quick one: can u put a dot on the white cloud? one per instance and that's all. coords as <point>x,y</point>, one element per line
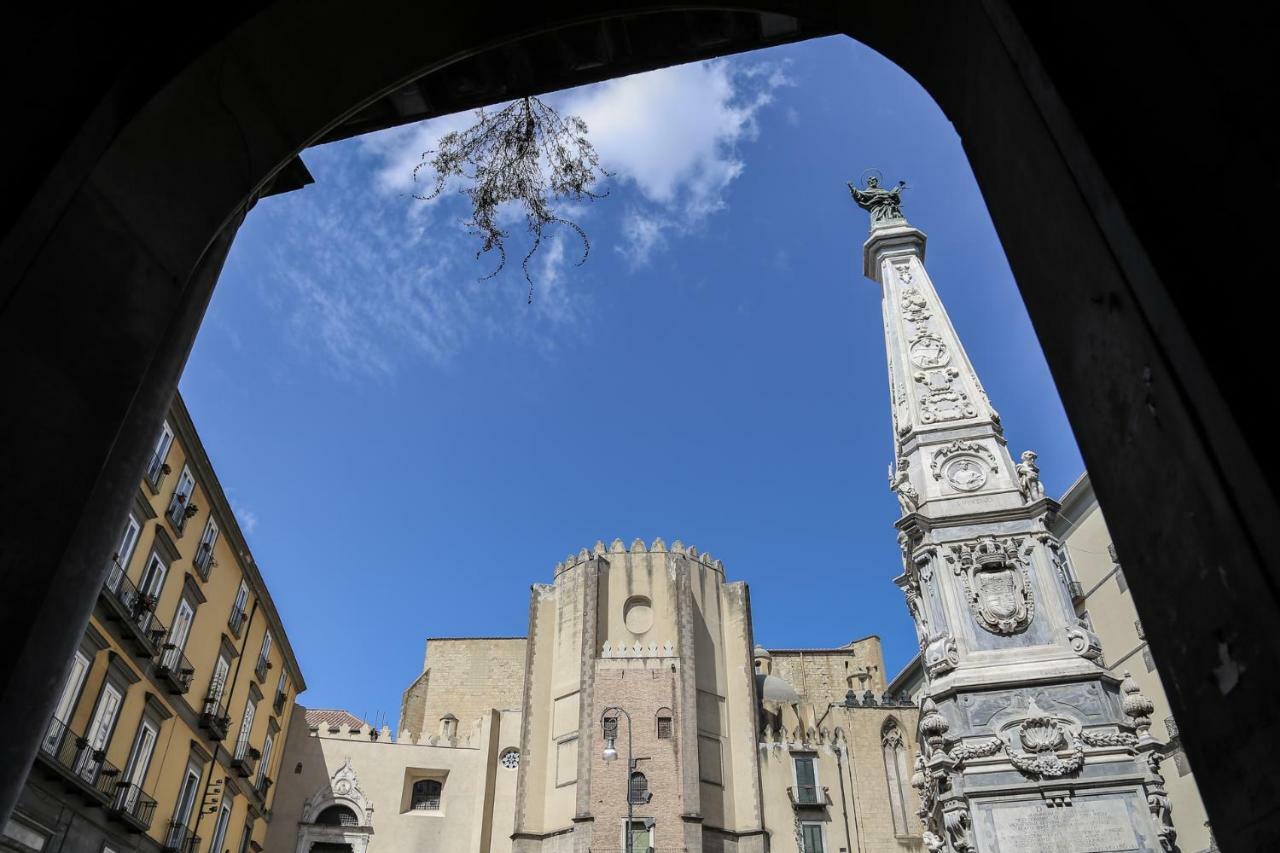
<point>676,132</point>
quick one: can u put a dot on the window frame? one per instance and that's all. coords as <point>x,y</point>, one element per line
<point>124,551</point>
<point>821,826</point>
<point>426,783</point>
<point>812,758</point>
<point>203,559</point>
<point>180,522</point>
<point>159,455</point>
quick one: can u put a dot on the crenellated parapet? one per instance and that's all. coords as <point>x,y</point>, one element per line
<point>638,546</point>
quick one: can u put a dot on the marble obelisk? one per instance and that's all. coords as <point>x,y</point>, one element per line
<point>1028,743</point>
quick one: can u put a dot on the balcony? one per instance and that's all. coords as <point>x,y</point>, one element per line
<point>133,807</point>
<point>1076,589</point>
<point>82,770</point>
<point>214,719</point>
<point>245,760</point>
<point>260,669</point>
<point>157,469</point>
<point>263,785</point>
<point>236,621</point>
<point>179,839</point>
<point>278,704</point>
<point>808,795</point>
<point>180,509</point>
<point>133,610</point>
<point>173,667</point>
<point>203,560</point>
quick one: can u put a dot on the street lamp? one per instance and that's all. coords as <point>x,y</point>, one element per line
<point>610,754</point>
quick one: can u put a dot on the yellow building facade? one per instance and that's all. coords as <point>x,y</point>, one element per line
<point>169,733</point>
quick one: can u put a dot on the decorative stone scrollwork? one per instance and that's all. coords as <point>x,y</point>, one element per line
<point>955,819</point>
<point>941,655</point>
<point>1084,642</point>
<point>914,306</point>
<point>941,401</point>
<point>902,411</point>
<point>1042,738</point>
<point>1096,738</point>
<point>933,726</point>
<point>997,584</point>
<point>933,843</point>
<point>975,748</point>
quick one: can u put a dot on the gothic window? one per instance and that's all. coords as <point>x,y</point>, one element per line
<point>337,815</point>
<point>664,724</point>
<point>639,789</point>
<point>510,758</point>
<point>426,795</point>
<point>896,773</point>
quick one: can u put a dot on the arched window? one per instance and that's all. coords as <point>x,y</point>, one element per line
<point>664,724</point>
<point>639,790</point>
<point>337,815</point>
<point>896,773</point>
<point>426,795</point>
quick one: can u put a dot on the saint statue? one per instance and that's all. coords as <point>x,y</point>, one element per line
<point>885,205</point>
<point>1029,477</point>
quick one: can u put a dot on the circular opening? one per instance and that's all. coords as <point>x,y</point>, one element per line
<point>637,614</point>
<point>510,758</point>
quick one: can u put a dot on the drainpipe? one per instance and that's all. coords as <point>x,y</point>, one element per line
<point>844,809</point>
<point>235,676</point>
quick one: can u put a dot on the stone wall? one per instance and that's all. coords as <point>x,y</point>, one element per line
<point>467,678</point>
<point>825,675</point>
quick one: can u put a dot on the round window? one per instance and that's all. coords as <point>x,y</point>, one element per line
<point>637,614</point>
<point>510,758</point>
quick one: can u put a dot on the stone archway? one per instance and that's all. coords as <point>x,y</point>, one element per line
<point>128,186</point>
<point>342,796</point>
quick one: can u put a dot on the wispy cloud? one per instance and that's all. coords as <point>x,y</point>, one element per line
<point>366,277</point>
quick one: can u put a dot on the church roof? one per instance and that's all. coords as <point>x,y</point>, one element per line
<point>332,718</point>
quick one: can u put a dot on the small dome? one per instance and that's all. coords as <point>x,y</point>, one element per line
<point>775,689</point>
<point>761,652</point>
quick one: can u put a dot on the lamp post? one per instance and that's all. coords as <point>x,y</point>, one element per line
<point>611,754</point>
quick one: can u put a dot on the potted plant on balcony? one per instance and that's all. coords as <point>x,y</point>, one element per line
<point>190,511</point>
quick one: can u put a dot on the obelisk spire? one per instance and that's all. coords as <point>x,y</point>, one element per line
<point>1018,709</point>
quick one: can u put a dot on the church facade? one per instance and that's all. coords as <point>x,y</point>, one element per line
<point>645,651</point>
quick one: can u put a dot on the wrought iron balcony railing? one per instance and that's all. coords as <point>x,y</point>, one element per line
<point>244,760</point>
<point>172,666</point>
<point>263,785</point>
<point>179,839</point>
<point>808,795</point>
<point>135,610</point>
<point>214,719</point>
<point>179,511</point>
<point>133,806</point>
<point>69,753</point>
<point>260,669</point>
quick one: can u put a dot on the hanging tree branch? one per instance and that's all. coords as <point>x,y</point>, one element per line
<point>526,153</point>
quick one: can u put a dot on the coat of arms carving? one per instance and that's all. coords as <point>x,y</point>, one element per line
<point>996,582</point>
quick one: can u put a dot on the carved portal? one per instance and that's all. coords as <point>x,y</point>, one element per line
<point>996,582</point>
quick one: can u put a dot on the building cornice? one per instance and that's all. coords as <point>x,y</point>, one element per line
<point>185,430</point>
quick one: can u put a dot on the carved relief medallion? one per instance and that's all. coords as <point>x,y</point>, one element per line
<point>997,584</point>
<point>914,306</point>
<point>928,350</point>
<point>965,473</point>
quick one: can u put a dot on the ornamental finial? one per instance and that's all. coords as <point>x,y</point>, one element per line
<point>885,205</point>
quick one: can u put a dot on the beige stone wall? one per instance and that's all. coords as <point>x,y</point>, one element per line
<point>477,800</point>
<point>825,675</point>
<point>467,678</point>
<point>1108,606</point>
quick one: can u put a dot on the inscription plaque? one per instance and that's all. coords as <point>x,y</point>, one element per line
<point>1087,826</point>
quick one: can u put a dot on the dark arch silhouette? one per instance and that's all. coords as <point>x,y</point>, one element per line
<point>141,145</point>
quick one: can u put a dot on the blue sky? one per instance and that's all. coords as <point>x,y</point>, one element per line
<point>408,448</point>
